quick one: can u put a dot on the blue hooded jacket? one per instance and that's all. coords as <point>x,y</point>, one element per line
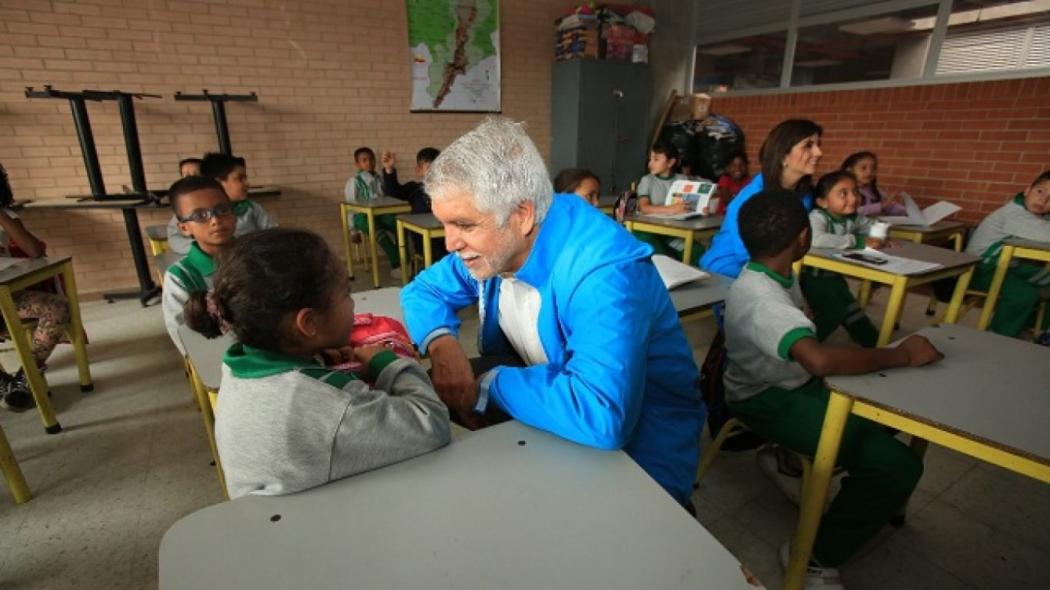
<point>727,254</point>
<point>620,371</point>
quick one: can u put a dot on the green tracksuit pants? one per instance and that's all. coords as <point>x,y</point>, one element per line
<point>882,471</point>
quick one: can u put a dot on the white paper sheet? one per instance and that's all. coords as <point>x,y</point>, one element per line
<point>674,273</point>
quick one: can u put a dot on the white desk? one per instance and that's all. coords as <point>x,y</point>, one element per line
<point>987,398</point>
<point>206,355</point>
<point>695,300</point>
<point>952,264</point>
<point>505,507</point>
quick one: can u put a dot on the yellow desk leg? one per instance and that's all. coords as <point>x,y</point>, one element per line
<point>16,482</point>
<point>76,327</point>
<point>208,417</point>
<point>428,250</point>
<point>893,309</point>
<point>346,240</point>
<point>401,241</point>
<point>865,293</point>
<point>957,237</point>
<point>796,268</point>
<point>25,354</point>
<point>687,251</point>
<point>961,285</point>
<point>997,285</point>
<point>816,493</point>
<point>375,246</point>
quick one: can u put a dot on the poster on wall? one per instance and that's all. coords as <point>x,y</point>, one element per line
<point>454,47</point>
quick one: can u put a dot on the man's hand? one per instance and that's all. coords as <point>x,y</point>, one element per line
<point>452,376</point>
<point>874,243</point>
<point>389,159</point>
<point>918,351</point>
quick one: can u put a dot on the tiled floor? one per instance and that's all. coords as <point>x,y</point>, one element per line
<point>133,460</point>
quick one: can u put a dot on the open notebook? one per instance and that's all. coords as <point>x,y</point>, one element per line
<point>921,217</point>
<point>675,273</point>
<point>699,194</point>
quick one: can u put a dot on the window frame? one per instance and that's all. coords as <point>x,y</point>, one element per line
<point>795,22</point>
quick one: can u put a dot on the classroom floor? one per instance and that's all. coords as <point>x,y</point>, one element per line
<point>133,459</point>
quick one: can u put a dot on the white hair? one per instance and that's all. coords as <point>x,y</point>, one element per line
<point>497,165</point>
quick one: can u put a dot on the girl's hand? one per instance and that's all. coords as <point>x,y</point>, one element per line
<point>890,201</point>
<point>875,243</point>
<point>337,356</point>
<point>364,354</point>
<point>389,159</point>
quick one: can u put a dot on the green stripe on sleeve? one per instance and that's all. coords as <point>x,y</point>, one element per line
<point>789,340</point>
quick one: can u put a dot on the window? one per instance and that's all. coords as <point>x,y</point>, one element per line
<point>985,36</point>
<point>858,44</point>
<point>742,64</point>
<point>866,49</point>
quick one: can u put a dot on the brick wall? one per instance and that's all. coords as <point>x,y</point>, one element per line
<point>974,144</point>
<point>331,75</point>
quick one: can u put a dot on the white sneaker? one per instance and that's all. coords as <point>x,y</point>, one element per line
<point>789,484</point>
<point>817,578</point>
<point>395,273</point>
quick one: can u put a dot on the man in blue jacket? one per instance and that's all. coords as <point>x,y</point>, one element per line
<point>569,292</point>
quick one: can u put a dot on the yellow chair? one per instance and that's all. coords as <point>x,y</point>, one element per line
<point>206,403</point>
<point>158,239</point>
<point>16,482</point>
<point>976,298</point>
<point>734,427</point>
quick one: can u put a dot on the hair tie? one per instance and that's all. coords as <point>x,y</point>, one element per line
<point>216,313</point>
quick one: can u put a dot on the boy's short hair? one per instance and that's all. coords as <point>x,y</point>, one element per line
<point>771,221</point>
<point>426,155</point>
<point>185,161</point>
<point>190,184</point>
<point>219,166</point>
<point>665,148</point>
<point>363,150</point>
<point>829,180</point>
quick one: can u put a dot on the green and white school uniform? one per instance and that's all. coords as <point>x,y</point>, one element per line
<point>829,296</point>
<point>777,398</point>
<point>1020,294</point>
<point>193,272</point>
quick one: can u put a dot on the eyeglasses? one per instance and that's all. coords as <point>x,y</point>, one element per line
<point>205,215</point>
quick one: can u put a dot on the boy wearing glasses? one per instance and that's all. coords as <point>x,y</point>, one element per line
<point>232,173</point>
<point>203,211</point>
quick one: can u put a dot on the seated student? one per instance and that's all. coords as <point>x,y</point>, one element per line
<point>1026,216</point>
<point>774,383</point>
<point>414,193</point>
<point>366,185</point>
<point>579,181</point>
<point>733,181</point>
<point>190,167</point>
<point>205,213</point>
<point>652,193</point>
<point>873,202</point>
<point>50,310</point>
<point>232,173</point>
<point>835,223</point>
<point>284,421</point>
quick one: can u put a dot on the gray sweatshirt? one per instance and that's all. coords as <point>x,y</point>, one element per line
<point>842,233</point>
<point>1011,220</point>
<point>283,425</point>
